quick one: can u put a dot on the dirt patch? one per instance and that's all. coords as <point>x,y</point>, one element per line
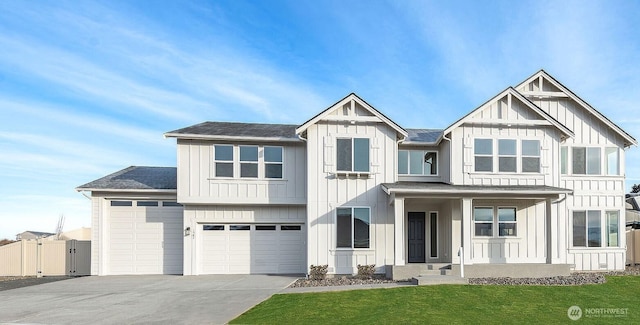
<point>14,282</point>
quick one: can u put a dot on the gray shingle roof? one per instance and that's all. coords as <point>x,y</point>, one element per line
<point>285,132</point>
<point>136,178</point>
<point>423,135</point>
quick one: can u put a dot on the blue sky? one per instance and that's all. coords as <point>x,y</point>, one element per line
<point>87,89</point>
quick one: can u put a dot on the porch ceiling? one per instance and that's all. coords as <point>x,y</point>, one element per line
<point>423,189</point>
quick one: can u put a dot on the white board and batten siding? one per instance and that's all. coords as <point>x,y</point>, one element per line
<point>329,190</point>
<point>590,192</point>
<point>197,183</point>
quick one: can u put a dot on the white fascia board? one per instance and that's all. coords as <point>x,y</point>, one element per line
<point>113,190</point>
<point>228,138</point>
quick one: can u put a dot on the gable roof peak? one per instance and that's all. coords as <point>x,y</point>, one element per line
<point>352,97</point>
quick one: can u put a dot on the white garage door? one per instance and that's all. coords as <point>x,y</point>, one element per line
<point>252,249</point>
<point>144,237</point>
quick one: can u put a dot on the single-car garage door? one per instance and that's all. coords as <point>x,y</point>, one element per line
<point>145,237</point>
<point>252,248</point>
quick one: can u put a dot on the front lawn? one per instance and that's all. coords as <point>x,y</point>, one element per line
<point>447,304</point>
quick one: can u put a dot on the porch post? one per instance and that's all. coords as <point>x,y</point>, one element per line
<point>466,229</point>
<point>399,230</point>
<point>551,241</point>
<point>456,230</point>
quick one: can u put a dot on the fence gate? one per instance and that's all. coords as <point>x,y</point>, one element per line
<point>78,258</point>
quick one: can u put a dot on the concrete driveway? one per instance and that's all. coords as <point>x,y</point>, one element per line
<point>166,299</point>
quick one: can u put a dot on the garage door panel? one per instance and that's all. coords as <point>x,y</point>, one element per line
<point>268,250</point>
<point>145,240</point>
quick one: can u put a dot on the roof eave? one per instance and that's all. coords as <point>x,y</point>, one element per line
<point>229,138</point>
<point>121,190</point>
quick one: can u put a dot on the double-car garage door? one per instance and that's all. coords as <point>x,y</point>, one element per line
<point>252,248</point>
<point>146,237</point>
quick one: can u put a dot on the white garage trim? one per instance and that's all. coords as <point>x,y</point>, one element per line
<point>256,248</point>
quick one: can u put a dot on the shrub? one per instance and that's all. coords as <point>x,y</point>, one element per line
<point>318,272</point>
<point>366,271</point>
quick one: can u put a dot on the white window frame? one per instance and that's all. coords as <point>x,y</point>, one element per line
<point>482,155</point>
<point>603,224</point>
<point>523,156</point>
<point>353,154</point>
<point>237,163</point>
<point>513,156</point>
<point>423,162</point>
<point>265,163</point>
<point>495,221</point>
<point>492,222</point>
<point>249,162</point>
<point>431,235</point>
<point>498,222</point>
<point>216,161</point>
<point>335,244</point>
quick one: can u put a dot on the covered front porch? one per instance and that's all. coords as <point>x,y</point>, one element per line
<point>476,231</point>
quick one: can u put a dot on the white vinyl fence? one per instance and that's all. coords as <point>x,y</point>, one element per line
<point>633,246</point>
<point>46,258</point>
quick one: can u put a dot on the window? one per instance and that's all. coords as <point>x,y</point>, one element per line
<point>147,203</point>
<point>612,228</point>
<point>483,219</point>
<point>290,227</point>
<point>483,151</point>
<point>506,222</point>
<point>249,161</point>
<point>265,227</point>
<point>273,162</point>
<point>223,160</point>
<point>240,227</point>
<point>352,226</point>
<point>417,162</point>
<point>586,161</point>
<point>587,230</point>
<point>171,204</point>
<point>564,160</point>
<point>507,159</point>
<point>121,203</point>
<point>530,156</point>
<point>433,234</point>
<point>353,154</point>
<point>212,227</point>
<point>611,161</point>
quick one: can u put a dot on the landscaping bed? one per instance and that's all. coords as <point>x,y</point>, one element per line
<point>573,279</point>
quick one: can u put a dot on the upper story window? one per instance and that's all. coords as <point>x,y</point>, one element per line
<point>417,162</point>
<point>513,156</point>
<point>273,162</point>
<point>353,154</point>
<point>483,151</point>
<point>223,160</point>
<point>589,161</point>
<point>248,161</point>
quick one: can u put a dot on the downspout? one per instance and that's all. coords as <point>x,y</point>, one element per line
<point>444,136</point>
<point>306,207</point>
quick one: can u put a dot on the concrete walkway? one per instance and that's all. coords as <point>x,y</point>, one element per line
<point>164,299</point>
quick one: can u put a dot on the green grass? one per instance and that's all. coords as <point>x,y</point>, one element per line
<point>451,304</point>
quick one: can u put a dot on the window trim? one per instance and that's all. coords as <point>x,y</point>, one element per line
<point>523,156</point>
<point>237,163</point>
<point>603,228</point>
<point>423,162</point>
<point>483,155</point>
<point>335,245</point>
<point>513,156</point>
<point>495,156</point>
<point>495,221</point>
<point>216,161</point>
<point>353,155</point>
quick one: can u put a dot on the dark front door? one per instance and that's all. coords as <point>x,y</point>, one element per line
<point>416,237</point>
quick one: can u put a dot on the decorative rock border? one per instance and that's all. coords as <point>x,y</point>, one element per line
<point>574,279</point>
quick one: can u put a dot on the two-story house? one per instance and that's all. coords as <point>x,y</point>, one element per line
<point>531,183</point>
